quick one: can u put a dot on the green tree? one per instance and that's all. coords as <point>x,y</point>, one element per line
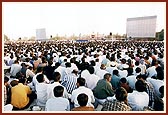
<point>160,35</point>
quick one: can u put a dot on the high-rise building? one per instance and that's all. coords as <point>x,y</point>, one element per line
<point>141,27</point>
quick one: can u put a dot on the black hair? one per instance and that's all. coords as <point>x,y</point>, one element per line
<point>58,91</point>
<point>161,90</point>
<point>137,63</point>
<point>121,94</point>
<point>68,64</point>
<point>6,79</point>
<point>115,72</point>
<point>82,99</point>
<point>40,78</point>
<point>160,73</point>
<point>57,64</point>
<point>81,81</point>
<point>140,86</point>
<point>130,71</point>
<point>56,76</point>
<point>92,62</point>
<point>22,80</point>
<point>39,69</point>
<point>91,69</point>
<point>123,80</point>
<point>138,69</point>
<point>123,61</point>
<point>107,75</point>
<point>143,76</point>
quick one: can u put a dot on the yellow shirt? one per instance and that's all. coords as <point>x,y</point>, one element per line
<point>19,96</point>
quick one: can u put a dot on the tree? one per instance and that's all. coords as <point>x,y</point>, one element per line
<point>160,35</point>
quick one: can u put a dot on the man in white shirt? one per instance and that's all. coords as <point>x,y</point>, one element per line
<point>30,73</point>
<point>123,73</point>
<point>101,71</point>
<point>57,103</point>
<point>82,89</point>
<point>35,82</point>
<point>123,64</point>
<point>132,78</point>
<point>63,57</point>
<point>61,70</point>
<point>138,99</point>
<point>156,85</point>
<point>41,90</point>
<point>68,69</point>
<point>151,71</point>
<point>50,93</point>
<point>91,78</point>
<point>73,65</point>
<point>15,68</point>
<point>70,80</point>
<point>111,67</point>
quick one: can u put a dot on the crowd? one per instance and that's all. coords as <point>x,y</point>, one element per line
<point>84,76</point>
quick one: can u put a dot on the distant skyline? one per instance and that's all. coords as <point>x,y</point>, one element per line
<point>21,19</point>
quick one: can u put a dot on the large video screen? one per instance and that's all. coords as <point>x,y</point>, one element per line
<point>141,27</point>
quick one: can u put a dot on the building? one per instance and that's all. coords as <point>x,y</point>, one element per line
<point>41,34</point>
<point>141,27</point>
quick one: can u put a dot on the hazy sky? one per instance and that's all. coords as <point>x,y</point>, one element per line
<point>22,19</point>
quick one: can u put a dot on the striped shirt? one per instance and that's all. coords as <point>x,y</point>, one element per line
<point>150,92</point>
<point>69,82</point>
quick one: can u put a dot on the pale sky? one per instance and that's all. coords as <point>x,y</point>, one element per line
<point>21,19</point>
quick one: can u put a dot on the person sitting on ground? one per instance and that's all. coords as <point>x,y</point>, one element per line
<point>160,73</point>
<point>124,83</point>
<point>41,90</point>
<point>50,93</point>
<point>115,79</point>
<point>12,84</point>
<point>101,71</point>
<point>138,99</point>
<point>159,101</point>
<point>57,103</point>
<point>103,88</point>
<point>132,78</point>
<point>82,89</point>
<point>20,95</point>
<point>34,80</point>
<point>91,78</point>
<point>118,104</point>
<point>69,81</point>
<point>29,74</point>
<point>150,89</point>
<point>15,68</point>
<point>82,100</point>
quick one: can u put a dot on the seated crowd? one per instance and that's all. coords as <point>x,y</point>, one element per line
<point>90,76</point>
